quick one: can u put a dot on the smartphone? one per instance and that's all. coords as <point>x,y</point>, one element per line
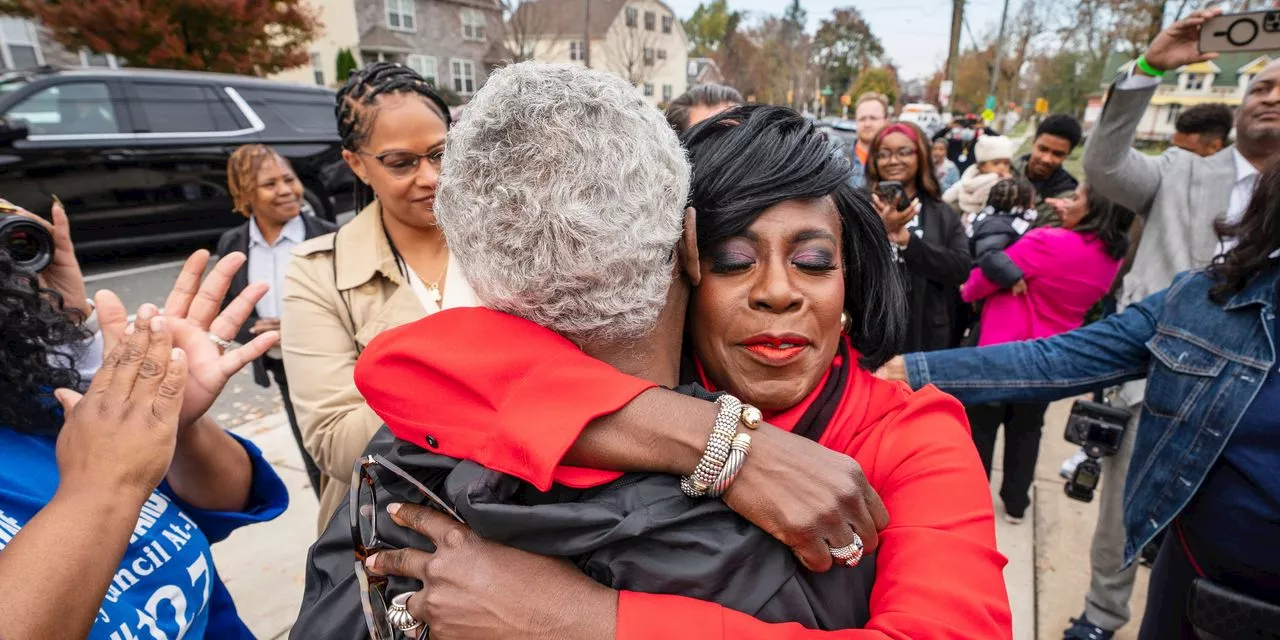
<point>891,191</point>
<point>1253,31</point>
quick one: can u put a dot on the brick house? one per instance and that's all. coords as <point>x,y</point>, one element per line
<point>452,43</point>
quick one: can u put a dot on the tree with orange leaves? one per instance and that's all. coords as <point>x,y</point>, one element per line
<point>252,37</point>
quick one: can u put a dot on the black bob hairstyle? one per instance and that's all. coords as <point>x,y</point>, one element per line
<point>748,159</point>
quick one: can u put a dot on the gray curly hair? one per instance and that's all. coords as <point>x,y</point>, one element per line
<point>562,196</point>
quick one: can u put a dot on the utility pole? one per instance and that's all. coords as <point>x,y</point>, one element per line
<point>995,64</point>
<point>957,13</point>
<point>586,32</point>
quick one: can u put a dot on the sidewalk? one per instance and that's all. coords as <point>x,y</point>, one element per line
<point>1047,575</point>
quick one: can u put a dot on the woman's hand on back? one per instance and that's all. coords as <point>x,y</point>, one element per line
<point>119,437</point>
<point>194,312</point>
<point>809,497</point>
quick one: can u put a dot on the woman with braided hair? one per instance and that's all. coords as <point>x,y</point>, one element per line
<point>388,266</point>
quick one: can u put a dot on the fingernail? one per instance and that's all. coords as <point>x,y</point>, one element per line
<point>393,508</point>
<point>371,561</point>
<point>175,353</point>
<point>128,331</point>
<point>56,200</point>
<point>157,323</point>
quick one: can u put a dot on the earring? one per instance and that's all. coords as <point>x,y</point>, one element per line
<point>845,321</point>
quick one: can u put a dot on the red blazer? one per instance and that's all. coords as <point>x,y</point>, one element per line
<point>513,396</point>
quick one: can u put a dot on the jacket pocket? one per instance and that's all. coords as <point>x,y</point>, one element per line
<point>1184,368</point>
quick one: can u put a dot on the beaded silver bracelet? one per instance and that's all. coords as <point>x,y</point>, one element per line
<point>705,474</point>
<point>737,457</point>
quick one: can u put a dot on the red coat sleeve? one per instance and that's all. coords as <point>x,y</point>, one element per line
<point>515,406</point>
<point>938,573</point>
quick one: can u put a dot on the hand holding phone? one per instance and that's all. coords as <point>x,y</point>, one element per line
<point>891,192</point>
<point>1253,31</point>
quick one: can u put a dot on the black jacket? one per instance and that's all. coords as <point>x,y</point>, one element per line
<point>993,232</point>
<point>1059,184</point>
<point>936,262</point>
<point>638,533</point>
<point>237,239</point>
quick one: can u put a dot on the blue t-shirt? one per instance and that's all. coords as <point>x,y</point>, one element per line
<point>1236,512</point>
<point>166,586</point>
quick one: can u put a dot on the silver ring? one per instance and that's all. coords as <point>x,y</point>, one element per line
<point>225,345</point>
<point>398,615</point>
<point>850,554</point>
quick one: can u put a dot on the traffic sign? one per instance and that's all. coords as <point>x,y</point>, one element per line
<point>988,116</point>
<point>1042,105</point>
<point>826,91</point>
<point>991,103</point>
<point>846,99</point>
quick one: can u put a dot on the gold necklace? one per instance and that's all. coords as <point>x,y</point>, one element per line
<point>434,287</point>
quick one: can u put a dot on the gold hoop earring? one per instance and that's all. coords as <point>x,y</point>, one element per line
<point>845,321</point>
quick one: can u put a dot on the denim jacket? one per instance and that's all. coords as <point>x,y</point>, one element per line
<point>1204,363</point>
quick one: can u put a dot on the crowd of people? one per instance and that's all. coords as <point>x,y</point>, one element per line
<point>581,369</point>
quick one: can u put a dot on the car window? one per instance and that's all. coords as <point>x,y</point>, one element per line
<point>304,111</point>
<point>184,108</point>
<point>76,108</point>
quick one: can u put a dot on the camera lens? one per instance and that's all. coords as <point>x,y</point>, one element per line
<point>27,243</point>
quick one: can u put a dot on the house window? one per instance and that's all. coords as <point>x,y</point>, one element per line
<point>101,60</point>
<point>424,66</point>
<point>317,68</point>
<point>633,15</point>
<point>577,50</point>
<point>666,24</point>
<point>464,77</point>
<point>648,56</point>
<point>666,92</point>
<point>650,20</point>
<point>400,15</point>
<point>648,89</point>
<point>1195,82</point>
<point>472,24</point>
<point>1175,110</point>
<point>19,48</point>
<point>662,54</point>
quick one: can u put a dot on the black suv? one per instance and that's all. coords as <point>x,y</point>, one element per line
<point>139,156</point>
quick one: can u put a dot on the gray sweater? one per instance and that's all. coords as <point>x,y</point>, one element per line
<point>1178,193</point>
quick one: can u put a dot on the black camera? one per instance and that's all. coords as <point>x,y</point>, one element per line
<point>1098,428</point>
<point>25,240</point>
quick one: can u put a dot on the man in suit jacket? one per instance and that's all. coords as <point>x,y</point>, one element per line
<point>1179,195</point>
<point>265,190</point>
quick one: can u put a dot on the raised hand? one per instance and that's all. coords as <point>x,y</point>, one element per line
<point>121,434</point>
<point>1179,44</point>
<point>194,311</point>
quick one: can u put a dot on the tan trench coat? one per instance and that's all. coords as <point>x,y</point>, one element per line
<point>342,290</point>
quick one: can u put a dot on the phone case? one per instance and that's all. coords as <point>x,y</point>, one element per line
<point>1254,31</point>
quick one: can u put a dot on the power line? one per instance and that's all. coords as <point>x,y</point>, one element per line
<point>972,40</point>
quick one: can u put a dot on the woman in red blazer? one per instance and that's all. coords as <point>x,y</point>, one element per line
<point>796,303</point>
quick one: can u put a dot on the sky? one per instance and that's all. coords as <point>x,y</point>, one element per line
<point>915,33</point>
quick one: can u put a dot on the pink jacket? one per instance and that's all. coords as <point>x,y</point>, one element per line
<point>1066,274</point>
